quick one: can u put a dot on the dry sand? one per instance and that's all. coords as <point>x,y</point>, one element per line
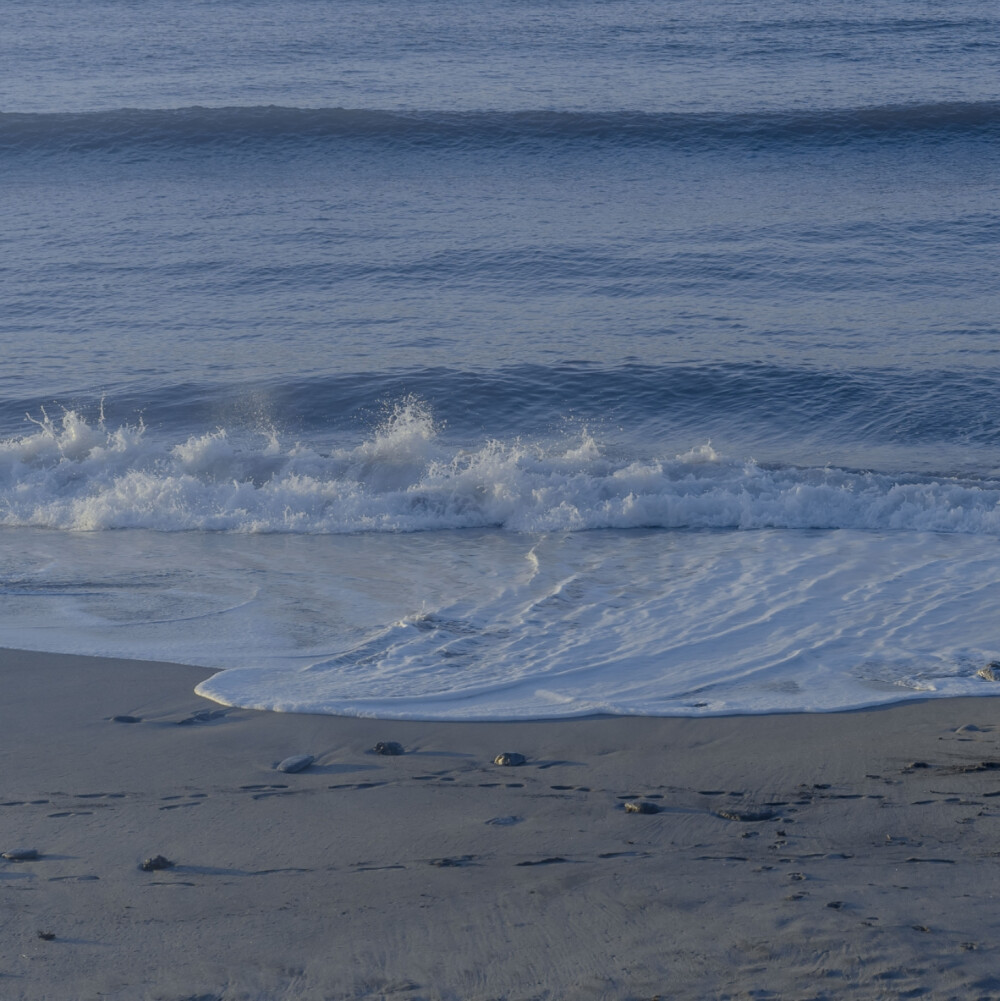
<point>437,874</point>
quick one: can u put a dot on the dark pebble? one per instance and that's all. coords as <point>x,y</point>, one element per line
<point>389,747</point>
<point>451,863</point>
<point>509,758</point>
<point>156,862</point>
<point>126,719</point>
<point>641,806</point>
<point>21,855</point>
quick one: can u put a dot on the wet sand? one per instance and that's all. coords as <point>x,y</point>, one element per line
<point>850,855</point>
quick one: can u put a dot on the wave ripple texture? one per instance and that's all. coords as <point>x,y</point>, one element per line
<point>477,361</point>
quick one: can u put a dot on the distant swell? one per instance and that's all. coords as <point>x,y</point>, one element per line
<point>867,407</point>
<point>185,128</point>
<point>404,477</point>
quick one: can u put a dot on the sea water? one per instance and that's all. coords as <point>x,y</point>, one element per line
<point>520,360</point>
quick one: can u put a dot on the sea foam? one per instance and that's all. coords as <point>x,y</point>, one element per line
<point>412,575</point>
<point>408,476</point>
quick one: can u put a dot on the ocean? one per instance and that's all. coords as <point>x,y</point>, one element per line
<point>523,360</point>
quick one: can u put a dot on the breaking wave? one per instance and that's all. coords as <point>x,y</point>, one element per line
<point>71,474</point>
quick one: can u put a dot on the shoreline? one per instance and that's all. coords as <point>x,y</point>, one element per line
<point>815,854</point>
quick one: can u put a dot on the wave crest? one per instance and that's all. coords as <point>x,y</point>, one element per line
<point>73,475</point>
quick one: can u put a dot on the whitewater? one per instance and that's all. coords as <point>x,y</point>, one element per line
<point>407,577</point>
<point>522,362</point>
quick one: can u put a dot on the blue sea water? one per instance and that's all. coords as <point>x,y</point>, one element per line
<point>519,360</point>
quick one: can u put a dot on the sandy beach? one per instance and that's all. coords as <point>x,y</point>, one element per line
<point>800,856</point>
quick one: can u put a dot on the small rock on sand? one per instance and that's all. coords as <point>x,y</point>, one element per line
<point>641,806</point>
<point>156,862</point>
<point>21,854</point>
<point>390,747</point>
<point>509,758</point>
<point>296,763</point>
<point>126,719</point>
